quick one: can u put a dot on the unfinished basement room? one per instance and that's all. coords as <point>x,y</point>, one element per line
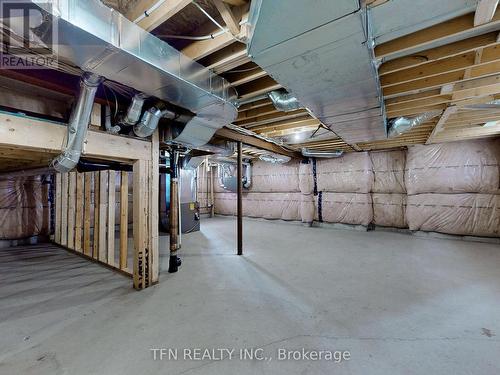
<point>250,187</point>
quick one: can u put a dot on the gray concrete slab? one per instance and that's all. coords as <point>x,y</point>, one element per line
<point>398,303</point>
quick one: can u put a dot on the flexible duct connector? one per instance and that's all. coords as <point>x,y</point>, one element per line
<point>275,158</point>
<point>107,122</point>
<point>247,179</point>
<point>78,124</point>
<point>150,120</point>
<point>400,125</point>
<point>134,110</point>
<point>321,154</point>
<point>284,101</point>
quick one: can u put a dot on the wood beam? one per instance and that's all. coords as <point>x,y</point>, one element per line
<point>453,77</point>
<point>485,11</point>
<point>456,29</point>
<point>461,62</point>
<point>158,16</point>
<point>439,53</point>
<point>273,117</point>
<point>203,48</point>
<point>231,21</point>
<point>249,140</point>
<point>30,133</point>
<point>258,87</point>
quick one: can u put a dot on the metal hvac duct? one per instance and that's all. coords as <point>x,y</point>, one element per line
<point>102,41</point>
<point>275,158</point>
<point>134,110</point>
<point>149,121</point>
<point>401,125</point>
<point>321,154</point>
<point>78,124</point>
<point>284,101</point>
<point>323,56</point>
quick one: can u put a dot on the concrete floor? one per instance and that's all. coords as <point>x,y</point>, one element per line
<point>399,304</point>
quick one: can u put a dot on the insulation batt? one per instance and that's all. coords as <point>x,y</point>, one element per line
<point>455,167</point>
<point>307,208</point>
<point>284,206</point>
<point>274,178</point>
<point>388,171</point>
<point>351,173</point>
<point>24,208</point>
<point>389,210</point>
<point>463,214</point>
<point>306,179</point>
<point>347,208</point>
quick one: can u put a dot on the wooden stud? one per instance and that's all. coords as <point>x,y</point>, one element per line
<point>154,207</point>
<point>64,209</point>
<point>124,220</point>
<point>57,229</point>
<point>95,237</point>
<point>111,217</point>
<point>79,211</point>
<point>103,203</point>
<point>140,226</point>
<point>87,250</point>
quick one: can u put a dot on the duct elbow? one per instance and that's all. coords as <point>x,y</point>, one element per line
<point>66,161</point>
<point>78,124</point>
<point>284,102</point>
<point>149,122</point>
<point>401,125</point>
<point>134,111</point>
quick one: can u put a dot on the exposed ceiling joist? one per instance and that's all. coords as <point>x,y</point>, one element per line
<point>255,142</point>
<point>155,17</point>
<point>232,22</point>
<point>439,53</point>
<point>203,48</point>
<point>444,33</point>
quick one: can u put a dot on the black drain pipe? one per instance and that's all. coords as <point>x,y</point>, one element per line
<point>239,199</point>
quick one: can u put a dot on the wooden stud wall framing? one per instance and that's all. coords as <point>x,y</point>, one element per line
<point>94,236</point>
<point>83,212</point>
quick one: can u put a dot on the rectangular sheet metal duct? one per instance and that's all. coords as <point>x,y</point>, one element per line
<point>321,54</point>
<point>100,40</point>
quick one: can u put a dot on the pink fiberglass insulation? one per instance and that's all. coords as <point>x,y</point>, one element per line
<point>389,210</point>
<point>455,167</point>
<point>284,206</point>
<point>274,178</point>
<point>463,214</point>
<point>345,208</point>
<point>388,171</point>
<point>351,173</point>
<point>24,208</point>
